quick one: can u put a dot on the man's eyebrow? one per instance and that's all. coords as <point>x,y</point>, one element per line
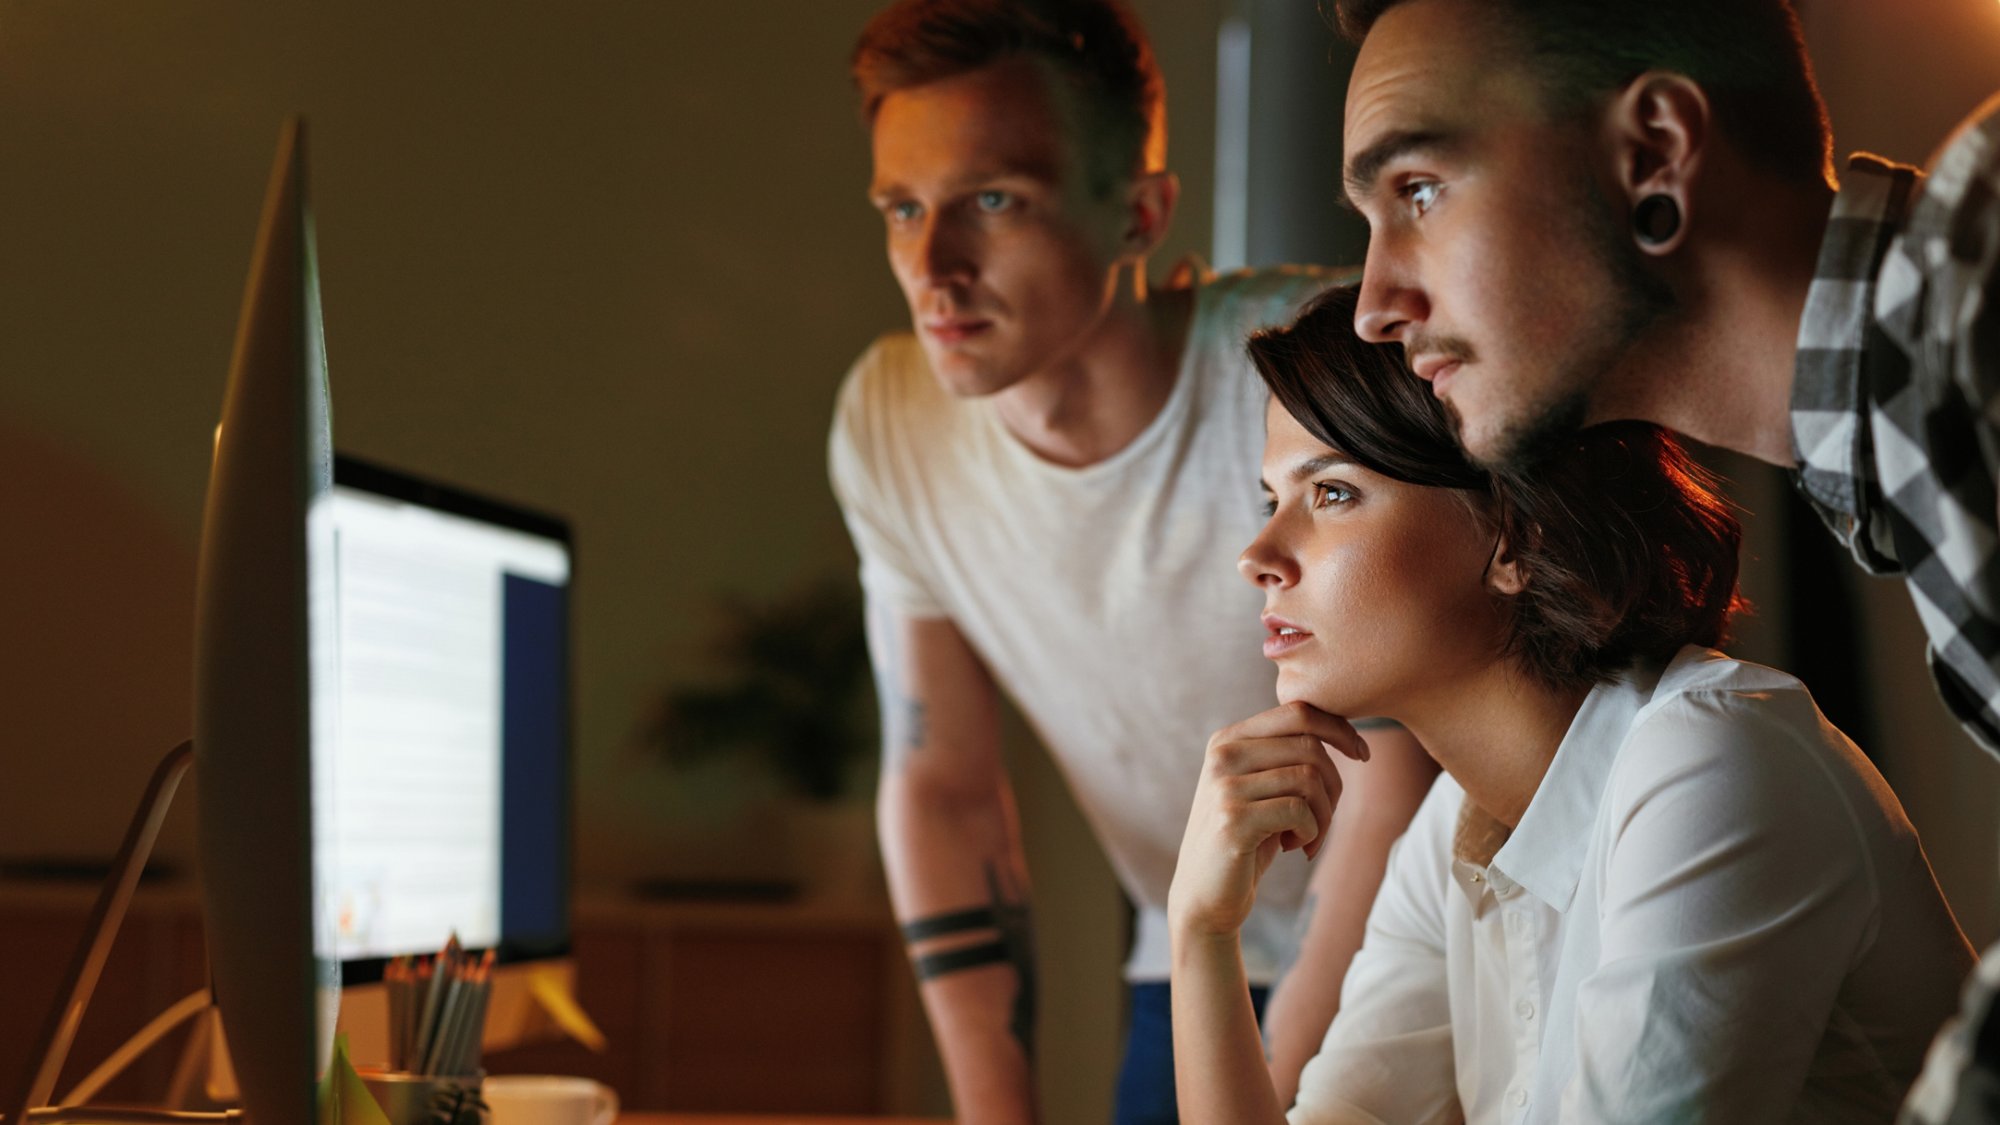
<point>1358,178</point>
<point>1035,171</point>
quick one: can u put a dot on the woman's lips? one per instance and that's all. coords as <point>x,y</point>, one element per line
<point>1281,637</point>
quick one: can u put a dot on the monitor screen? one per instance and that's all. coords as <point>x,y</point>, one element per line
<point>448,792</point>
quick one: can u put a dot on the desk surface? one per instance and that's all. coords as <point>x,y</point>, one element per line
<point>646,1117</point>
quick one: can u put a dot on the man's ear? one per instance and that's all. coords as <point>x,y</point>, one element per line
<point>1505,575</point>
<point>1149,209</point>
<point>1659,129</point>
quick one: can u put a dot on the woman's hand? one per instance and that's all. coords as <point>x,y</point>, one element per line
<point>1267,785</point>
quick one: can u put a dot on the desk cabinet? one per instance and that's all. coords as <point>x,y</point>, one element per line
<point>784,1008</point>
<point>793,1009</point>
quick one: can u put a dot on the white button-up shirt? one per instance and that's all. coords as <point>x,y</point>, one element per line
<point>1713,910</point>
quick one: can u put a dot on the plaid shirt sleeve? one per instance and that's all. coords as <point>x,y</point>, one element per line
<point>1896,398</point>
<point>1960,1084</point>
<point>1935,424</point>
<point>1896,424</point>
<point>1837,342</point>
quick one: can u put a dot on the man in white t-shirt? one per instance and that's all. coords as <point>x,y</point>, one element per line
<point>1048,484</point>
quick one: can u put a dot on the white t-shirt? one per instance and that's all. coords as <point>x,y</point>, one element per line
<point>1713,910</point>
<point>1105,600</point>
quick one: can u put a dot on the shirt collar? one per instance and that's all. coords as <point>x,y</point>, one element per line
<point>1828,380</point>
<point>1545,853</point>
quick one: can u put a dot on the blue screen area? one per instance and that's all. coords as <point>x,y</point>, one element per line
<point>534,722</point>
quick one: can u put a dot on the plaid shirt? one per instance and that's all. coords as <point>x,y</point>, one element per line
<point>1896,422</point>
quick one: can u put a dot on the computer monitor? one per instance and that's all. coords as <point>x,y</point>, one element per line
<point>449,789</point>
<point>269,678</point>
<point>264,714</point>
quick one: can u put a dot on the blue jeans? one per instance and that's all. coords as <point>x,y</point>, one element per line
<point>1146,1079</point>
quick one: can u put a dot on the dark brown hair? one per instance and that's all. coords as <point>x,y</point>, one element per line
<point>1748,55</point>
<point>1627,550</point>
<point>1096,46</point>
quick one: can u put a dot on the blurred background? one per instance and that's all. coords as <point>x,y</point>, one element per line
<point>612,260</point>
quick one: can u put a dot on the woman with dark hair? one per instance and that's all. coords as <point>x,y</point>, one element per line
<point>1653,883</point>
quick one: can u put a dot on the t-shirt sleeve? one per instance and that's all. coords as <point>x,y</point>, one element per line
<point>860,454</point>
<point>1388,1056</point>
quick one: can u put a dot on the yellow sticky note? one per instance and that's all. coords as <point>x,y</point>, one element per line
<point>551,990</point>
<point>343,1099</point>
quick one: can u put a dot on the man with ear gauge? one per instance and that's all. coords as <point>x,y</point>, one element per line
<point>1047,482</point>
<point>1590,210</point>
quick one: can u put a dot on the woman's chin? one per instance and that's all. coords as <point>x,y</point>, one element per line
<point>1297,686</point>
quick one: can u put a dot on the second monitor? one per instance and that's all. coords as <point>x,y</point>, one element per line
<point>447,803</point>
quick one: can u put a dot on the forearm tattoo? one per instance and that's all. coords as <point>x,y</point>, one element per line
<point>956,922</point>
<point>1013,943</point>
<point>909,722</point>
<point>903,725</point>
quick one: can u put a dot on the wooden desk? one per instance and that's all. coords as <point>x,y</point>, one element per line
<point>767,1119</point>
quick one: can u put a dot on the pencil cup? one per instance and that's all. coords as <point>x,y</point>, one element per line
<point>427,1099</point>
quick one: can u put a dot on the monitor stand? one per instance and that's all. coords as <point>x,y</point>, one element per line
<point>31,1102</point>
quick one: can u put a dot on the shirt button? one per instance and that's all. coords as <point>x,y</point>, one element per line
<point>1520,1097</point>
<point>1524,1009</point>
<point>1478,878</point>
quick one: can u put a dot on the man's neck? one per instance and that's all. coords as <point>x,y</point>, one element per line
<point>1097,399</point>
<point>1719,367</point>
<point>1495,731</point>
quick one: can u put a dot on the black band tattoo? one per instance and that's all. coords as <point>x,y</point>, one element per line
<point>1014,946</point>
<point>932,965</point>
<point>956,922</point>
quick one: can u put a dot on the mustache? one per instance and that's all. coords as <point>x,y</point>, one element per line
<point>1421,342</point>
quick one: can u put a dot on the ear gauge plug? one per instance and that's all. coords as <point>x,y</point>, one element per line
<point>1656,219</point>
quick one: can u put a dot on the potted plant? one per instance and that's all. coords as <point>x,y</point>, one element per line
<point>786,689</point>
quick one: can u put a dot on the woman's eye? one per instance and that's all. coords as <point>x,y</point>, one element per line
<point>1421,194</point>
<point>904,211</point>
<point>1326,493</point>
<point>1269,507</point>
<point>994,202</point>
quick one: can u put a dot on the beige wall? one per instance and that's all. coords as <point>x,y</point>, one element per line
<point>608,259</point>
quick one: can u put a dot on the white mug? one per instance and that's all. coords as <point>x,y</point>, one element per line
<point>548,1099</point>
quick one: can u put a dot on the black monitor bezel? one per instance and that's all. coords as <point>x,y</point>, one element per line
<point>363,475</point>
